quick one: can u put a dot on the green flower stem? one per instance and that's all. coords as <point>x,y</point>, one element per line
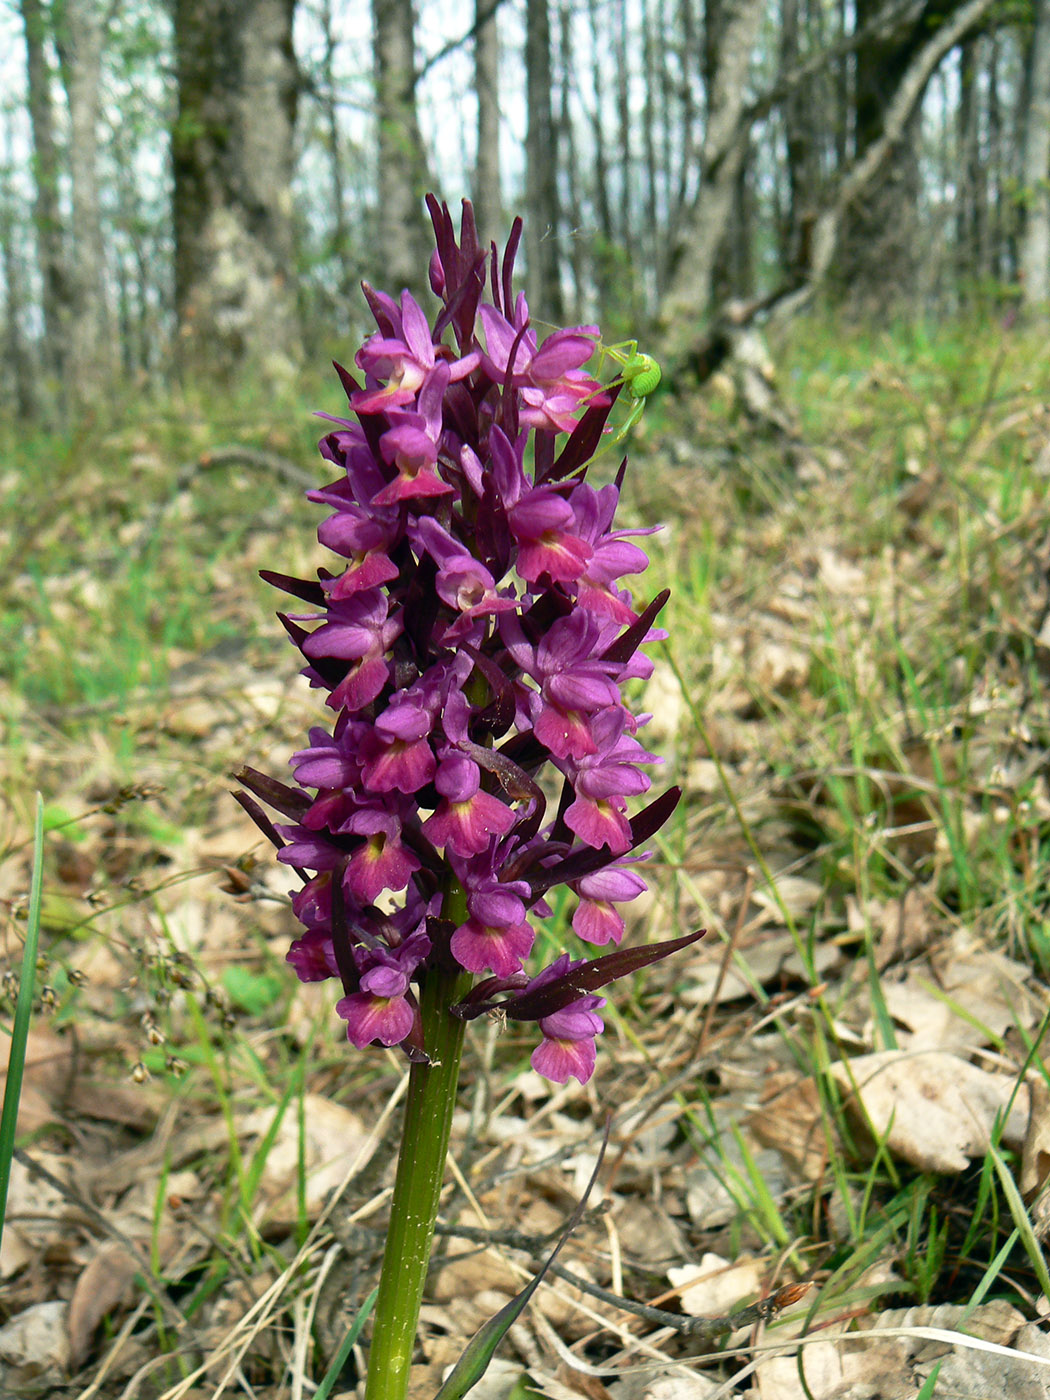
<point>420,1172</point>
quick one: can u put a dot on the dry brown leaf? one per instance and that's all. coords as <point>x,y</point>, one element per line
<point>132,1105</point>
<point>15,1251</point>
<point>838,1370</point>
<point>791,1121</point>
<point>48,1071</point>
<point>934,1109</point>
<point>39,1209</point>
<point>997,1321</point>
<point>717,1286</point>
<point>467,1276</point>
<point>779,667</point>
<point>966,1371</point>
<point>99,1289</point>
<point>663,1385</point>
<point>34,1344</point>
<point>647,1233</point>
<point>903,927</point>
<point>768,961</point>
<point>335,1139</point>
<point>590,1387</point>
<point>796,894</point>
<point>1035,1152</point>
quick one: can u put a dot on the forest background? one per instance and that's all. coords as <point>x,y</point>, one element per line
<point>203,185</point>
<point>831,223</point>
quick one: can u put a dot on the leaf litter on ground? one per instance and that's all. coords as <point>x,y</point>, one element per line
<point>812,1098</point>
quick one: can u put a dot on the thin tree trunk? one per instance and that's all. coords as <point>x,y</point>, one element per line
<point>235,286</point>
<point>402,161</point>
<point>623,125</point>
<point>996,257</point>
<point>567,141</point>
<point>488,196</point>
<point>1035,164</point>
<point>47,219</point>
<point>730,45</point>
<point>16,349</point>
<point>971,206</point>
<point>651,243</point>
<point>802,137</point>
<point>91,348</point>
<point>541,168</point>
<point>691,63</point>
<point>602,202</point>
<point>340,229</point>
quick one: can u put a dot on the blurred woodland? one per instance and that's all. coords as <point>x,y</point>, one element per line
<point>198,187</point>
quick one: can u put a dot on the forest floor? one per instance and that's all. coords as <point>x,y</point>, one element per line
<point>838,1102</point>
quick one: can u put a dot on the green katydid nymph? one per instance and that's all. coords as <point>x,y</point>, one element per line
<point>639,374</point>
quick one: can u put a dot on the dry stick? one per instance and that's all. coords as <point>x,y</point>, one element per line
<point>92,1213</point>
<point>119,1342</point>
<point>761,1311</point>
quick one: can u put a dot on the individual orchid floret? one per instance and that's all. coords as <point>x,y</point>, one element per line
<point>463,582</point>
<point>499,948</point>
<point>567,1049</point>
<point>612,554</point>
<point>597,920</point>
<point>313,956</point>
<point>403,357</point>
<point>552,385</point>
<point>544,525</point>
<point>382,862</point>
<point>381,1009</point>
<point>412,444</point>
<point>360,630</point>
<point>365,539</point>
<point>575,683</point>
<point>468,817</point>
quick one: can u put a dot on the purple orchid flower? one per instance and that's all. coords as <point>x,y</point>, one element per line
<point>475,631</point>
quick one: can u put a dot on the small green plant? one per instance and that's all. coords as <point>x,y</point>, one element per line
<point>19,1031</point>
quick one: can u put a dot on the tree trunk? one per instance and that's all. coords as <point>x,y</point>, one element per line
<point>339,236</point>
<point>877,255</point>
<point>899,111</point>
<point>402,161</point>
<point>602,202</point>
<point>971,193</point>
<point>235,289</point>
<point>541,169</point>
<point>488,197</point>
<point>567,136</point>
<point>618,21</point>
<point>802,136</point>
<point>91,348</point>
<point>16,350</point>
<point>1035,165</point>
<point>733,27</point>
<point>46,216</point>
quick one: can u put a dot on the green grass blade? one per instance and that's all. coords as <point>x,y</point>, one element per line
<point>339,1360</point>
<point>930,1383</point>
<point>23,1011</point>
<point>481,1348</point>
<point>1022,1219</point>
